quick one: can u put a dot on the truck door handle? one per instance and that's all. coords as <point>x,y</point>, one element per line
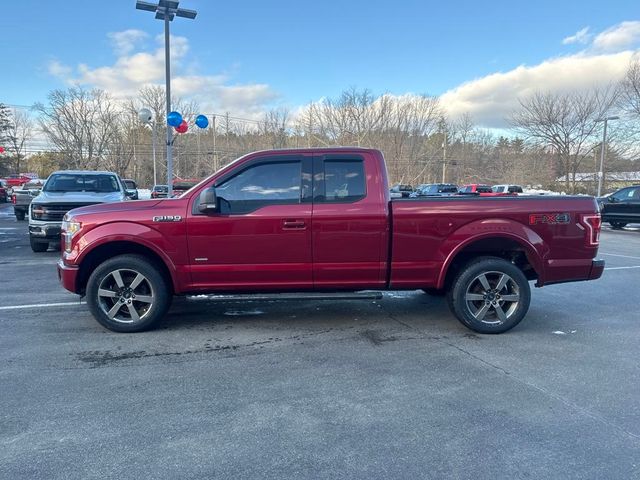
<point>293,224</point>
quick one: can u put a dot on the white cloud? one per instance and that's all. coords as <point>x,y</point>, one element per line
<point>57,69</point>
<point>620,36</point>
<point>134,69</point>
<point>125,41</point>
<point>491,99</point>
<point>581,36</point>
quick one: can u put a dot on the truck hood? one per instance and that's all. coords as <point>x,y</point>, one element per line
<point>116,207</point>
<point>78,197</point>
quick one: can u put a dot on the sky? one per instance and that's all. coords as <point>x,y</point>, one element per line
<point>245,57</point>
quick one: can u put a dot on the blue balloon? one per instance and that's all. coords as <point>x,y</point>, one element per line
<point>174,119</point>
<point>202,121</point>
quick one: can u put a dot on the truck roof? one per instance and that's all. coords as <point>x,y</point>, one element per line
<point>84,172</point>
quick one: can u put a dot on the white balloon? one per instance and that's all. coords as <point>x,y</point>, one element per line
<point>145,115</point>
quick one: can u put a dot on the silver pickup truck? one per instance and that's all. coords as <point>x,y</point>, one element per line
<point>21,197</point>
<point>64,191</point>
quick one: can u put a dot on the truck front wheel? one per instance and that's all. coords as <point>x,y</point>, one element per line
<point>489,295</point>
<point>128,293</point>
<point>38,245</point>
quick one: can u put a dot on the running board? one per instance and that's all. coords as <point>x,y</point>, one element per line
<point>287,297</point>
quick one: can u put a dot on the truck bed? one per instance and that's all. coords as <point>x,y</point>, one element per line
<point>427,231</point>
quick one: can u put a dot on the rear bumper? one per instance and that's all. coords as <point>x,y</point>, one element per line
<point>597,267</point>
<point>572,270</point>
<point>67,276</point>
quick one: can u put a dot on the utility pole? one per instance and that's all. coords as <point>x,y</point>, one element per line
<point>604,147</point>
<point>215,158</point>
<point>444,158</point>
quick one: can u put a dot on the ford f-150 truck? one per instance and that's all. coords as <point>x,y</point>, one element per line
<point>321,220</point>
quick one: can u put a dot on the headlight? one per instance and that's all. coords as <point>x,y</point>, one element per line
<point>69,228</point>
<point>36,211</point>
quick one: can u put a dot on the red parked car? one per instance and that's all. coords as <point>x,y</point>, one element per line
<point>478,189</point>
<point>321,220</point>
<point>15,180</point>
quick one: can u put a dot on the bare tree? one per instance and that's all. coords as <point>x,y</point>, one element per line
<point>567,121</point>
<point>80,123</point>
<point>630,89</point>
<point>19,130</point>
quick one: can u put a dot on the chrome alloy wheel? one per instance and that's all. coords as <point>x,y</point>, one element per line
<point>125,296</point>
<point>492,297</point>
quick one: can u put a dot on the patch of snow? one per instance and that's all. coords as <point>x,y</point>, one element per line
<point>144,194</point>
<point>239,313</point>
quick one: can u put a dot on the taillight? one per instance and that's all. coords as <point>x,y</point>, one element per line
<point>13,199</point>
<point>593,224</point>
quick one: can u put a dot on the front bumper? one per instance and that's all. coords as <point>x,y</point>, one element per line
<point>67,276</point>
<point>46,230</point>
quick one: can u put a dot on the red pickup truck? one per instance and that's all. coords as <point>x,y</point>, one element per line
<point>321,220</point>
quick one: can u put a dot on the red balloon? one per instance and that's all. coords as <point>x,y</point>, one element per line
<point>1,149</point>
<point>183,127</point>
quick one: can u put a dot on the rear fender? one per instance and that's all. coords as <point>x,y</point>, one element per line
<point>534,247</point>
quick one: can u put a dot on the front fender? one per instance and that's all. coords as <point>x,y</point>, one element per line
<point>136,233</point>
<point>533,245</point>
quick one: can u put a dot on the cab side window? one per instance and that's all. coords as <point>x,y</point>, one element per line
<point>277,183</point>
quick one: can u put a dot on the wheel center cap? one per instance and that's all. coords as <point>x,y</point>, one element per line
<point>491,296</point>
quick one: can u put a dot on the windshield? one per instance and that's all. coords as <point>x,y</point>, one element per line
<point>77,182</point>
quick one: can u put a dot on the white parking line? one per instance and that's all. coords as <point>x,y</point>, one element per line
<point>621,268</point>
<point>617,255</point>
<point>41,305</point>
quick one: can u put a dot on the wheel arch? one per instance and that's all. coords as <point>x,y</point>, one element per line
<point>107,250</point>
<point>506,245</point>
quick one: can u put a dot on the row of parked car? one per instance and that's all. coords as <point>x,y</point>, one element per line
<point>448,189</point>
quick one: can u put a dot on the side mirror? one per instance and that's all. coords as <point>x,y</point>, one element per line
<point>208,201</point>
<point>130,193</point>
<point>611,199</point>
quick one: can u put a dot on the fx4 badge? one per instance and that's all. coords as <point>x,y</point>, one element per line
<point>549,218</point>
<point>167,218</point>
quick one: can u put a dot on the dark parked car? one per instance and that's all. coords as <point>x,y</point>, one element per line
<point>131,188</point>
<point>4,191</point>
<point>404,190</point>
<point>435,190</point>
<point>159,191</point>
<point>621,207</point>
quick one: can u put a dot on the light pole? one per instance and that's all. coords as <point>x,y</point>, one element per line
<point>602,149</point>
<point>166,10</point>
<point>146,117</point>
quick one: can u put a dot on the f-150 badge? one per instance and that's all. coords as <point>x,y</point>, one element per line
<point>167,218</point>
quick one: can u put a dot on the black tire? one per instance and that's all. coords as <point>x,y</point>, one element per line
<point>617,225</point>
<point>483,309</point>
<point>38,246</point>
<point>20,216</point>
<point>435,292</point>
<point>116,302</point>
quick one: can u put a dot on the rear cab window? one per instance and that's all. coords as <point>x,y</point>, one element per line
<point>339,180</point>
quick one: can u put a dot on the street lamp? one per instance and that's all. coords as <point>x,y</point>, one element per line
<point>602,149</point>
<point>166,10</point>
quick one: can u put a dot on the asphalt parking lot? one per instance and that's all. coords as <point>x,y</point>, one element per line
<point>395,388</point>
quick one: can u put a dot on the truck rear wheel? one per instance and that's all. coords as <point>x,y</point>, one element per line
<point>617,225</point>
<point>38,245</point>
<point>20,215</point>
<point>490,295</point>
<point>128,293</point>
